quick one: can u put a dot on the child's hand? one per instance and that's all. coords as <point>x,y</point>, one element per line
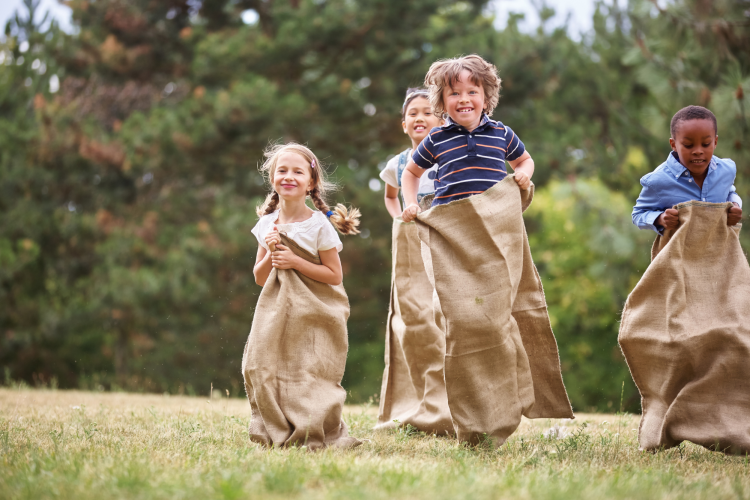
<point>410,213</point>
<point>523,181</point>
<point>734,215</point>
<point>273,238</point>
<point>283,258</point>
<point>670,219</point>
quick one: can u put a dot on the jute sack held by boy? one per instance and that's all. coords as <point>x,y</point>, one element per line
<point>413,389</point>
<point>685,329</point>
<point>296,352</point>
<point>501,359</point>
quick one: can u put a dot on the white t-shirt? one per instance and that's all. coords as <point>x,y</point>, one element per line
<point>314,234</point>
<point>390,175</point>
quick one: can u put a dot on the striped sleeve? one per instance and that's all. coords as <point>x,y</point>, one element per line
<point>422,156</point>
<point>516,149</point>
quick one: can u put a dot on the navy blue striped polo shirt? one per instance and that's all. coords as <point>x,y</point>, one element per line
<point>468,162</point>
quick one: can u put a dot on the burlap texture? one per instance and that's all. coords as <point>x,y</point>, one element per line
<point>501,358</point>
<point>294,360</point>
<point>685,334</point>
<point>413,390</point>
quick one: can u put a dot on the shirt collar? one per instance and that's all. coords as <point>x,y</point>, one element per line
<point>677,169</point>
<point>449,123</point>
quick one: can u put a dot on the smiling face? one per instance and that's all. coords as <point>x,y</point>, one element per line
<point>694,143</point>
<point>292,178</point>
<point>464,101</point>
<point>419,119</point>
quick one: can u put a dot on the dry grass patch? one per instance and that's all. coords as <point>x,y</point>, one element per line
<point>71,444</point>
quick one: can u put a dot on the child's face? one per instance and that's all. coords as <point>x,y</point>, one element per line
<point>695,144</point>
<point>292,178</point>
<point>419,119</point>
<point>464,101</point>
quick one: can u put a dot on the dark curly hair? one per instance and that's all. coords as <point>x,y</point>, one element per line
<point>691,113</point>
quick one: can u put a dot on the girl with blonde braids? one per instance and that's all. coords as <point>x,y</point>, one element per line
<point>296,352</point>
<point>295,173</point>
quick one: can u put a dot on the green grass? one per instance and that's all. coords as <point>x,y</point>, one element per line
<point>80,445</point>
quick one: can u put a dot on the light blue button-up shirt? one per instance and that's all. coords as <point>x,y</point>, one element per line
<point>671,183</point>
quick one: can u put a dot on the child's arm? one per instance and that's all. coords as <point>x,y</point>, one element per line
<point>523,167</point>
<point>410,186</point>
<point>735,213</point>
<point>649,211</point>
<point>391,201</point>
<point>328,271</point>
<point>669,219</point>
<point>263,264</point>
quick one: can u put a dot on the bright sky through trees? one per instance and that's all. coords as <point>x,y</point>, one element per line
<point>579,10</point>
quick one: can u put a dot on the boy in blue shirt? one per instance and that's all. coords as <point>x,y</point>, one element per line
<point>691,172</point>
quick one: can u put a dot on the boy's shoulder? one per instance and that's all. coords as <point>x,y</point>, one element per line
<point>727,163</point>
<point>657,177</point>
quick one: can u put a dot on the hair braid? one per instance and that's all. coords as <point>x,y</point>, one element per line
<point>345,220</point>
<point>269,205</point>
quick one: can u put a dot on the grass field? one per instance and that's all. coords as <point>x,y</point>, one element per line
<point>81,445</point>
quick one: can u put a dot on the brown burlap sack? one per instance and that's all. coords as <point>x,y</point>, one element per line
<point>501,359</point>
<point>685,334</point>
<point>413,390</point>
<point>294,360</point>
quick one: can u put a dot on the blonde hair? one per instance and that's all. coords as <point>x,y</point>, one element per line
<point>345,220</point>
<point>446,72</point>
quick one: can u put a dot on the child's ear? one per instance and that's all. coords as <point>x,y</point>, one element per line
<point>673,144</point>
<point>403,125</point>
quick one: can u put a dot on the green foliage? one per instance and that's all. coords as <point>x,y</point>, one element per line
<point>127,197</point>
<point>591,257</point>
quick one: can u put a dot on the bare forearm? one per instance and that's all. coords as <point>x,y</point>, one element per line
<point>262,269</point>
<point>318,272</point>
<point>526,166</point>
<point>394,206</point>
<point>410,187</point>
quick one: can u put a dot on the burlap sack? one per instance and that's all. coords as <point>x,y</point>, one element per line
<point>294,360</point>
<point>413,390</point>
<point>501,359</point>
<point>685,334</point>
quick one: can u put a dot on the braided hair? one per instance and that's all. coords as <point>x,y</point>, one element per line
<point>344,219</point>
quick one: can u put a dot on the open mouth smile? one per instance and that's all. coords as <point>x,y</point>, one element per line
<point>465,110</point>
<point>419,128</point>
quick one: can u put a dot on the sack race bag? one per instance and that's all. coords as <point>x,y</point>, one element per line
<point>413,390</point>
<point>294,360</point>
<point>685,334</point>
<point>501,358</point>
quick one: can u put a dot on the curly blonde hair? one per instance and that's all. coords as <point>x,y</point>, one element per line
<point>445,73</point>
<point>344,219</point>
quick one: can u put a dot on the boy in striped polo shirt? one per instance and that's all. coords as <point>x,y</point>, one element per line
<point>470,149</point>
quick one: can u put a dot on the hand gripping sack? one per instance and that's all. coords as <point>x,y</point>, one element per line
<point>501,359</point>
<point>294,360</point>
<point>685,334</point>
<point>413,390</point>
